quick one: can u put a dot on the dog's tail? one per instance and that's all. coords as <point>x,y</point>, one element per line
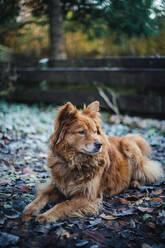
<point>137,151</point>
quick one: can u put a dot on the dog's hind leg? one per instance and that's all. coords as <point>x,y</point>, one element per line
<point>144,170</point>
<point>45,195</point>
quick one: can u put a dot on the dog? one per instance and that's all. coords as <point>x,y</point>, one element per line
<point>84,163</point>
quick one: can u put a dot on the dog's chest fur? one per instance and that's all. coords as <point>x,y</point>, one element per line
<point>76,174</point>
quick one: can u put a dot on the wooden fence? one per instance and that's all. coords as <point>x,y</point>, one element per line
<point>139,83</point>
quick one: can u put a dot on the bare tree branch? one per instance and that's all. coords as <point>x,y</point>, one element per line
<point>112,104</point>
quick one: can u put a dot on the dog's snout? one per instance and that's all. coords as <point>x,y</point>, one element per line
<point>98,144</point>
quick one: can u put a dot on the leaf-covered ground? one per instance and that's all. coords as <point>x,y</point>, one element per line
<point>135,218</point>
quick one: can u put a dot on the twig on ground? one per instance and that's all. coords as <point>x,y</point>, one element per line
<point>112,104</point>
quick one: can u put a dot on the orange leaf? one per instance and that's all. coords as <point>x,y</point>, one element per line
<point>26,217</point>
<point>156,200</point>
<point>123,201</point>
<point>133,197</point>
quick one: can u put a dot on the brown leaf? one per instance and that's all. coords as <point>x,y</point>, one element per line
<point>157,200</point>
<point>108,217</point>
<point>123,201</point>
<point>24,228</point>
<point>123,223</point>
<point>16,223</point>
<point>132,197</point>
<point>26,217</point>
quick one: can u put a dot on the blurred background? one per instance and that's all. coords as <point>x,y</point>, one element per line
<point>82,28</point>
<point>58,50</point>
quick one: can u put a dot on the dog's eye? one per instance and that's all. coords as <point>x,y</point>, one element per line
<point>82,132</point>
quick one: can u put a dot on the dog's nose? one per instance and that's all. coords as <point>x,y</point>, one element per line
<point>98,144</point>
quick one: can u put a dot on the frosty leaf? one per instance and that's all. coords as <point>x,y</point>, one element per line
<point>145,209</point>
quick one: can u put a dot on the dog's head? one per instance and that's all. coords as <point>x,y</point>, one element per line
<point>80,130</point>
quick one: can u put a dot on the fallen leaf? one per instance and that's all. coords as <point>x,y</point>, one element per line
<point>132,197</point>
<point>157,192</point>
<point>27,171</point>
<point>148,210</point>
<point>145,188</point>
<point>70,225</point>
<point>26,217</point>
<point>108,217</point>
<point>132,223</point>
<point>61,232</point>
<point>82,243</point>
<point>4,181</point>
<point>116,227</point>
<point>125,234</point>
<point>7,239</point>
<point>24,228</point>
<point>146,216</point>
<point>13,216</point>
<point>138,202</point>
<point>124,212</point>
<point>94,223</point>
<point>146,246</point>
<point>123,201</point>
<point>24,188</point>
<point>151,225</point>
<point>162,213</point>
<point>96,235</point>
<point>123,223</point>
<point>157,200</point>
<point>2,219</point>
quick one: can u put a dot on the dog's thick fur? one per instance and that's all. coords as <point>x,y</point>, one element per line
<point>85,163</point>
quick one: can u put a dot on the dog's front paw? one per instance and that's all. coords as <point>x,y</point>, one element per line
<point>46,218</point>
<point>31,209</point>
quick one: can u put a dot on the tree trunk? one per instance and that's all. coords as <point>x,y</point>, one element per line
<point>57,40</point>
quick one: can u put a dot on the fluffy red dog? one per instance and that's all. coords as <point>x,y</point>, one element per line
<point>85,163</point>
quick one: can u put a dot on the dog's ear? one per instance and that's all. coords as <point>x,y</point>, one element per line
<point>92,109</point>
<point>65,116</point>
